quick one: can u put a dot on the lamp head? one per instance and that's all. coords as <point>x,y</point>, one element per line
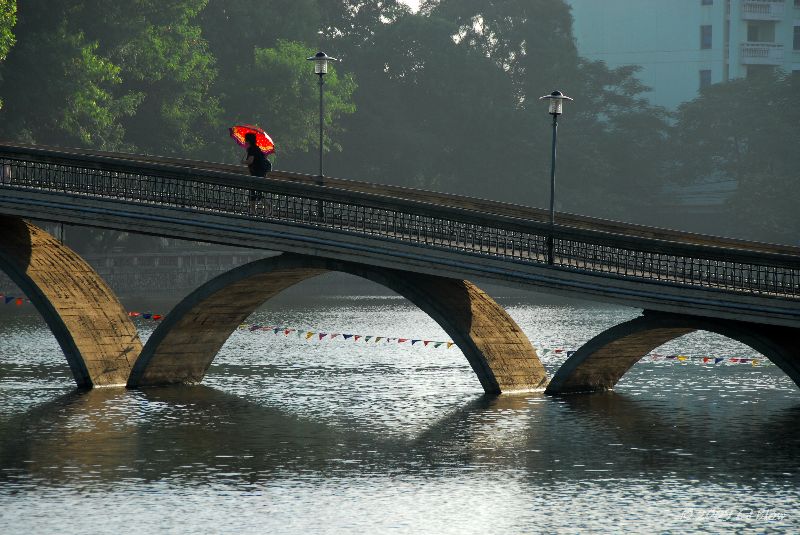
<point>556,102</point>
<point>321,60</point>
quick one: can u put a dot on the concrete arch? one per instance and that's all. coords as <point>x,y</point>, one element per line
<point>603,360</point>
<point>97,336</point>
<point>183,346</point>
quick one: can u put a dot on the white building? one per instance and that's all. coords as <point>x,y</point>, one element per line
<point>684,45</point>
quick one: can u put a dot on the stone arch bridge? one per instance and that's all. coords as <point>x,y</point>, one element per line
<point>425,246</point>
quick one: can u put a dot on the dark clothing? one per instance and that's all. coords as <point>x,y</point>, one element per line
<point>260,165</point>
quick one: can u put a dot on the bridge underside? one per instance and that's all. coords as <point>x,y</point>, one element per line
<point>600,363</point>
<point>184,345</point>
<point>97,336</point>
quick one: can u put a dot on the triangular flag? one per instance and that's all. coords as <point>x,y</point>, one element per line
<point>309,334</point>
<point>570,353</point>
<point>134,314</point>
<point>402,340</point>
<point>334,336</point>
<point>706,359</point>
<point>437,344</point>
<point>357,337</point>
<point>744,361</point>
<point>755,362</point>
<point>682,358</point>
<point>9,299</point>
<point>733,360</point>
<point>20,301</point>
<point>300,334</point>
<point>367,338</point>
<point>378,339</point>
<point>672,357</point>
<point>347,336</point>
<point>157,317</point>
<point>147,316</point>
<point>254,327</point>
<point>415,341</point>
<point>426,342</point>
<point>322,335</point>
<point>450,344</point>
<point>276,330</point>
<point>718,360</point>
<point>287,331</point>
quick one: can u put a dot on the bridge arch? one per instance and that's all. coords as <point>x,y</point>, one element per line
<point>183,346</point>
<point>96,335</point>
<point>600,363</point>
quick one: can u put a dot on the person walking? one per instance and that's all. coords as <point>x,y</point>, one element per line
<point>259,166</point>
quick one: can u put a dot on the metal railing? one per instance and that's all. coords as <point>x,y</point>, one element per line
<point>762,9</point>
<point>402,220</point>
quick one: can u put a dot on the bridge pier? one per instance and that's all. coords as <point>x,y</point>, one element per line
<point>95,333</point>
<point>183,346</point>
<point>600,363</point>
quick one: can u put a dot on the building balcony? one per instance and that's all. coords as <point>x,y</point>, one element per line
<point>763,10</point>
<point>761,54</point>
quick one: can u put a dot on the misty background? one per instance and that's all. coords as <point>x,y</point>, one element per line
<point>443,97</point>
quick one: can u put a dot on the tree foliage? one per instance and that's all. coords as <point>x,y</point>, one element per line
<point>8,18</point>
<point>747,130</point>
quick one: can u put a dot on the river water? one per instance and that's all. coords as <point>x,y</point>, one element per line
<point>289,435</point>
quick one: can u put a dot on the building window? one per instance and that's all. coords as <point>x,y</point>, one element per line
<point>752,33</point>
<point>796,38</point>
<point>705,78</point>
<point>705,36</point>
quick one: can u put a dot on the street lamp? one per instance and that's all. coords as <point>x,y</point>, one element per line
<point>556,101</point>
<point>321,60</point>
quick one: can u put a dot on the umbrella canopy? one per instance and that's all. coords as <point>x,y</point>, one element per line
<point>263,141</point>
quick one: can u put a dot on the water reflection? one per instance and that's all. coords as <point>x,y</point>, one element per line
<point>109,436</point>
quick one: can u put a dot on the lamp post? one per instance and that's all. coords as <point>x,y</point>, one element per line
<point>321,60</point>
<point>556,107</point>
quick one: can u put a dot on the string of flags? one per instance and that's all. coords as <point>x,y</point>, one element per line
<point>318,336</point>
<point>304,334</point>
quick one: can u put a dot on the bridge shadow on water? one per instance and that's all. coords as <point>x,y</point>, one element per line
<point>109,437</point>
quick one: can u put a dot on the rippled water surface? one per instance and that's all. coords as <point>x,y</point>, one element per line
<point>294,436</point>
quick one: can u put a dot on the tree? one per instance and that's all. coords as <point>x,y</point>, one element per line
<point>746,130</point>
<point>76,99</point>
<point>8,18</point>
<point>162,56</point>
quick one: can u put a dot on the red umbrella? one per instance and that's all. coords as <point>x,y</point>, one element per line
<point>263,140</point>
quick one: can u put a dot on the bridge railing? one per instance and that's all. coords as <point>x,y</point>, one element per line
<point>401,219</point>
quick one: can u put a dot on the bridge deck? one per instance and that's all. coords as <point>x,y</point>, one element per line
<point>423,231</point>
